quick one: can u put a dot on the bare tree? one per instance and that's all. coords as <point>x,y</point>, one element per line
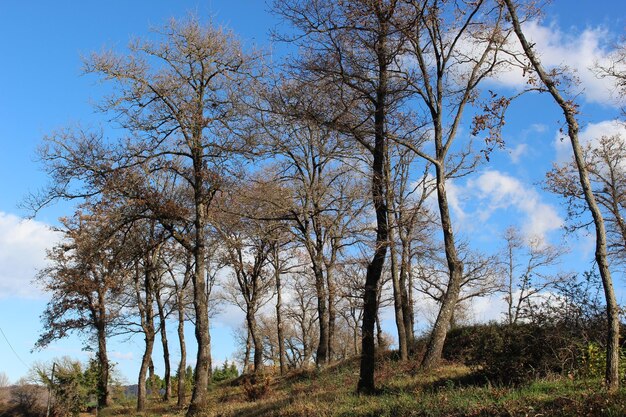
<point>315,164</point>
<point>178,264</point>
<point>453,47</point>
<point>481,277</point>
<point>301,311</point>
<point>527,264</point>
<point>606,165</point>
<point>409,219</point>
<point>248,243</point>
<point>143,252</point>
<point>182,97</point>
<point>569,109</point>
<point>350,52</point>
<point>615,70</point>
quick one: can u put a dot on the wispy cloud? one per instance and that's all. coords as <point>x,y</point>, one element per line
<point>578,51</point>
<point>589,135</point>
<point>500,191</point>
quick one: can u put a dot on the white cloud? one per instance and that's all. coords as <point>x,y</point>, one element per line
<point>485,309</point>
<point>229,315</point>
<point>454,194</point>
<point>502,191</point>
<point>578,51</point>
<point>516,153</point>
<point>23,245</point>
<point>590,134</point>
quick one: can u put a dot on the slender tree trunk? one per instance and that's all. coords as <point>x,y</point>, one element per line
<point>455,267</point>
<point>246,355</point>
<point>411,304</point>
<point>379,332</point>
<point>405,289</point>
<point>569,111</point>
<point>306,349</point>
<point>166,351</point>
<point>147,325</point>
<point>355,338</point>
<point>397,301</point>
<point>279,315</point>
<point>332,314</point>
<point>182,365</point>
<point>203,358</point>
<point>143,371</point>
<point>151,371</point>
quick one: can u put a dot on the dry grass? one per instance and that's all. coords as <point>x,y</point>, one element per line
<point>451,391</point>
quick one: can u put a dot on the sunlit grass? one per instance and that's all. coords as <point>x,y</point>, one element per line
<point>452,390</point>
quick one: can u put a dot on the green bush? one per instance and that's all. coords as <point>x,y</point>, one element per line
<point>512,354</point>
<point>593,362</point>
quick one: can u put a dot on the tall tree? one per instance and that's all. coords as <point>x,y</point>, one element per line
<point>570,111</point>
<point>247,246</point>
<point>314,168</point>
<point>452,46</point>
<point>181,98</point>
<point>350,51</point>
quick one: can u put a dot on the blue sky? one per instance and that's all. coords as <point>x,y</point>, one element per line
<point>42,89</point>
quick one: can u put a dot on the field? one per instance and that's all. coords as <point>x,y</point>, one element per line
<point>452,390</point>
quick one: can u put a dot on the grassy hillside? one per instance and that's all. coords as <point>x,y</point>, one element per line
<point>453,390</point>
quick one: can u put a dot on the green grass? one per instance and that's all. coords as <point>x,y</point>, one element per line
<point>452,390</point>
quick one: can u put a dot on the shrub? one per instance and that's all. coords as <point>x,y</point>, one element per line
<point>512,354</point>
<point>27,399</point>
<point>256,386</point>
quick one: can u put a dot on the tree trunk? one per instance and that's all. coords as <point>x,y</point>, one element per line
<point>366,383</point>
<point>405,296</point>
<point>455,267</point>
<point>182,365</point>
<point>143,370</point>
<point>103,363</point>
<point>256,340</point>
<point>321,356</point>
<point>166,351</point>
<point>147,324</point>
<point>279,315</point>
<point>203,338</point>
<point>397,303</point>
<point>246,355</point>
<point>380,341</point>
<point>569,111</point>
<point>332,314</point>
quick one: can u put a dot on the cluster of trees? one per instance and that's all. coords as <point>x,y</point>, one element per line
<point>299,194</point>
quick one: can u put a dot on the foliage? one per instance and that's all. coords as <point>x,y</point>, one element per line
<point>189,378</point>
<point>73,385</point>
<point>593,362</point>
<point>225,372</point>
<point>508,354</point>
